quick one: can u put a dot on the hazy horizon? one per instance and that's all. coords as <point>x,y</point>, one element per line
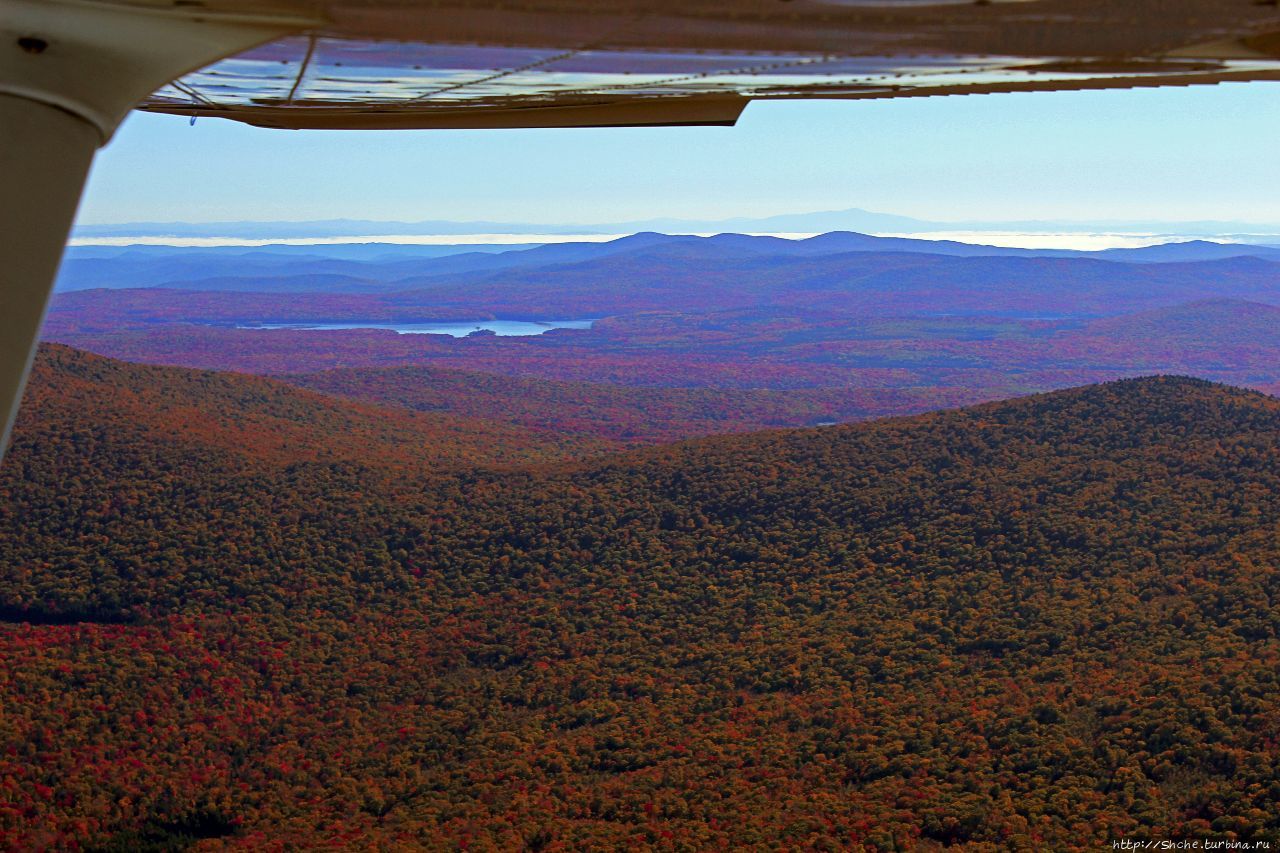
<point>249,234</point>
<point>448,227</point>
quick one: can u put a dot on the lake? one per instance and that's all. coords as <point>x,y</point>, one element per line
<point>506,328</point>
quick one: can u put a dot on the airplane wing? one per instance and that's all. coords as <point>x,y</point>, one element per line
<point>552,63</point>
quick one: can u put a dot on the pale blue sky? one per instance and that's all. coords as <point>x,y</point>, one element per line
<point>1169,154</point>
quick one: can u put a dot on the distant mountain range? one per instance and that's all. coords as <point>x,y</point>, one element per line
<point>892,325</point>
<point>851,219</point>
<point>380,267</point>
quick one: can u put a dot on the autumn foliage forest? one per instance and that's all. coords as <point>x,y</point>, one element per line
<point>842,334</point>
<point>616,588</point>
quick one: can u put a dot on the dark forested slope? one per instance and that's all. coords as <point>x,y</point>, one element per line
<point>87,404</point>
<point>1043,624</point>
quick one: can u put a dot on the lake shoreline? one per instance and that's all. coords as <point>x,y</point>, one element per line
<point>455,329</point>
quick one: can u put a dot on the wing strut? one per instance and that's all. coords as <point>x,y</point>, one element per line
<point>69,72</point>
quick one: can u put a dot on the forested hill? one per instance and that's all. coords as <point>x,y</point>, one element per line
<point>1040,624</point>
<point>107,412</point>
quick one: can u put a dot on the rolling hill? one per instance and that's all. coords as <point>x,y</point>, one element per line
<point>1207,335</point>
<point>698,278</point>
<point>1046,623</point>
<point>243,423</point>
<point>1205,324</point>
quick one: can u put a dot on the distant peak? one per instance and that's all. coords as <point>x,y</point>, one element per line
<point>649,236</point>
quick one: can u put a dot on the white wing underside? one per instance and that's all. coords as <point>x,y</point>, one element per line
<point>406,64</point>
